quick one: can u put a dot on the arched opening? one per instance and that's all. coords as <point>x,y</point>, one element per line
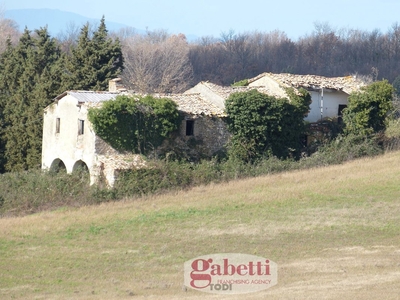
<point>58,166</point>
<point>81,169</point>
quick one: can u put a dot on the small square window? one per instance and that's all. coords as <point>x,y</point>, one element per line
<point>81,127</point>
<point>189,127</point>
<point>57,125</point>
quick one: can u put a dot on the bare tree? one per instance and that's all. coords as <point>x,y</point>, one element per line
<point>238,53</point>
<point>68,38</point>
<point>8,31</point>
<point>157,63</point>
<point>123,33</point>
<point>208,60</point>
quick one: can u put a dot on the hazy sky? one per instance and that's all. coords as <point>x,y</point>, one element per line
<point>212,17</point>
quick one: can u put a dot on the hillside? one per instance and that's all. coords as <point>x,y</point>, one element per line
<point>332,231</point>
<point>56,20</point>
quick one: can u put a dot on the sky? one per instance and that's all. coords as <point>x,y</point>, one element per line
<point>213,17</point>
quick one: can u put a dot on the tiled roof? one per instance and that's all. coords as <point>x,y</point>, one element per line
<point>225,91</point>
<point>189,103</point>
<point>195,104</point>
<point>89,96</point>
<point>201,101</point>
<point>346,84</point>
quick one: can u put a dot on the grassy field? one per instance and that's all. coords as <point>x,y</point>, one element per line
<point>334,233</point>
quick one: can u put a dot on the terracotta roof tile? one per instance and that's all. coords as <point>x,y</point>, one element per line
<point>195,104</point>
<point>347,84</point>
<point>188,103</point>
<point>225,91</point>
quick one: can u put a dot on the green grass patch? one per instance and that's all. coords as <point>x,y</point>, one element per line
<point>344,216</point>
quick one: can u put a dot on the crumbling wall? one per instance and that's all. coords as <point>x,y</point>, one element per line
<point>210,134</point>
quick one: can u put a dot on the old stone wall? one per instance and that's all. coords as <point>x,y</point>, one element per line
<point>210,134</point>
<point>102,148</point>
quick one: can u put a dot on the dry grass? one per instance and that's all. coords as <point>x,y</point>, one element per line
<point>334,233</point>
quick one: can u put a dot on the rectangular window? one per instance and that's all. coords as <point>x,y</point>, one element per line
<point>81,127</point>
<point>189,127</point>
<point>340,112</point>
<point>340,109</point>
<point>57,125</point>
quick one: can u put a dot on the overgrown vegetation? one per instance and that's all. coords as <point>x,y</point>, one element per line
<point>369,108</point>
<point>33,191</point>
<point>244,82</point>
<point>267,132</point>
<point>135,124</point>
<point>28,192</point>
<point>265,126</point>
<point>266,139</point>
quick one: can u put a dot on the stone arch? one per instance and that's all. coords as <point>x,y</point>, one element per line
<point>80,165</point>
<point>81,168</point>
<point>58,166</point>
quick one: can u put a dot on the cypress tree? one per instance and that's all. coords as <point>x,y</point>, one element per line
<point>6,68</point>
<point>33,73</point>
<point>30,81</point>
<point>95,60</point>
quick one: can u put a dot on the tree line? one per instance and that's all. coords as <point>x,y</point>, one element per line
<point>33,72</point>
<point>161,62</point>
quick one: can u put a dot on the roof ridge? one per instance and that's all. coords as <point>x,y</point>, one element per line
<point>92,92</point>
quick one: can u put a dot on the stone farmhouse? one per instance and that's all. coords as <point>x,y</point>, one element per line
<point>328,95</point>
<point>69,141</point>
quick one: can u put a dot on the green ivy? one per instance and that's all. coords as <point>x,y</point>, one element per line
<point>368,109</point>
<point>244,82</point>
<point>135,124</point>
<point>265,126</point>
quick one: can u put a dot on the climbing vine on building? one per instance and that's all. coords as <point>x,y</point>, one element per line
<point>265,126</point>
<point>369,108</point>
<point>136,124</point>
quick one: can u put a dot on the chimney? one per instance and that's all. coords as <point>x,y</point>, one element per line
<point>115,86</point>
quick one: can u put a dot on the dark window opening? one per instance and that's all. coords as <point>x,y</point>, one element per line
<point>340,112</point>
<point>81,127</point>
<point>189,127</point>
<point>58,125</point>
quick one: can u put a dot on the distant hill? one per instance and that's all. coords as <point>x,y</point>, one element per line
<point>56,20</point>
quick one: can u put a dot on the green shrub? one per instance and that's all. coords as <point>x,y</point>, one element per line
<point>342,149</point>
<point>244,82</point>
<point>135,124</point>
<point>265,126</point>
<point>34,191</point>
<point>368,109</point>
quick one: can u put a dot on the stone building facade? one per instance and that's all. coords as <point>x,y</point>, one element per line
<point>328,94</point>
<point>203,131</point>
<point>70,143</point>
